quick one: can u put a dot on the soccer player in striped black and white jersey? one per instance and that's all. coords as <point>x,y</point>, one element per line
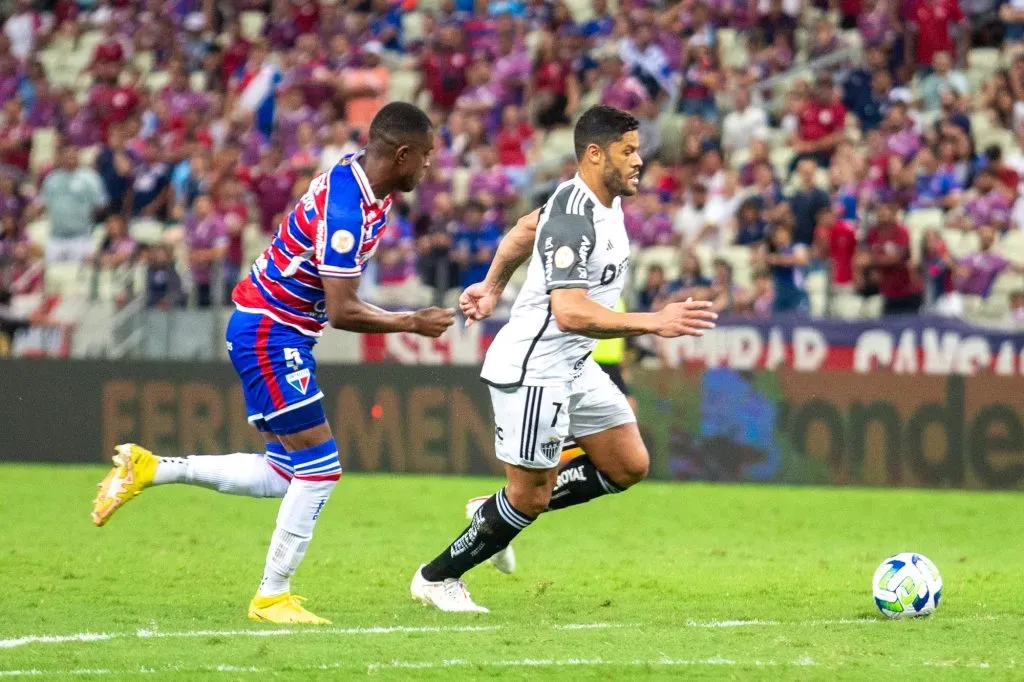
<point>543,383</point>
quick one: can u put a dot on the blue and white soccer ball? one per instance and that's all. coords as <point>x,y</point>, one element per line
<point>906,586</point>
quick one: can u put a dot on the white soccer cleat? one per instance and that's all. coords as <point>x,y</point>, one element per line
<point>448,595</point>
<point>504,560</point>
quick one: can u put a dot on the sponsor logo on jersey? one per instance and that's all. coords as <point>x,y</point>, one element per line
<point>342,241</point>
<point>577,369</point>
<point>610,246</point>
<point>563,257</point>
<point>549,253</point>
<point>299,380</point>
<point>499,433</point>
<point>584,254</point>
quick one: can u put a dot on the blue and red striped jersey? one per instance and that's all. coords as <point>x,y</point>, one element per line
<point>332,232</point>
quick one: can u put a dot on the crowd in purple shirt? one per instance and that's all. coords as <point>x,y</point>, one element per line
<point>162,119</point>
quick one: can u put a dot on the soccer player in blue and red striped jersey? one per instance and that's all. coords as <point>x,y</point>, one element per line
<point>306,280</point>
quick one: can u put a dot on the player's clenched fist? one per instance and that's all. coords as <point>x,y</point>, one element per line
<point>432,321</point>
<point>688,318</point>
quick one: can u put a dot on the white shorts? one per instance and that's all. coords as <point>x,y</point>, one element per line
<point>532,422</point>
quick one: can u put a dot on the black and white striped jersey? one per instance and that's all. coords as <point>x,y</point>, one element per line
<point>580,243</point>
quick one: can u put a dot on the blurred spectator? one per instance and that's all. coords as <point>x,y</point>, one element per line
<point>933,24</point>
<point>444,64</point>
<point>207,240</point>
<point>397,281</point>
<point>695,223</point>
<point>750,226</point>
<point>475,242</point>
<point>724,294</point>
<point>887,251</point>
<point>975,273</point>
<point>985,204</point>
<point>691,279</point>
<point>556,91</point>
<point>822,123</point>
<point>163,283</point>
<point>937,274</point>
<point>786,260</point>
<point>762,295</point>
<point>365,87</point>
<point>151,188</point>
<point>835,242</point>
<point>943,78</point>
<point>1008,177</point>
<point>1015,315</point>
<point>343,141</point>
<point>434,248</point>
<point>744,124</point>
<point>1012,14</point>
<point>15,138</point>
<point>232,206</point>
<point>271,184</point>
<point>513,142</point>
<point>936,188</point>
<point>72,195</point>
<point>653,289</point>
<point>806,202</point>
<point>117,247</point>
<point>648,222</point>
<point>116,167</point>
<point>490,182</point>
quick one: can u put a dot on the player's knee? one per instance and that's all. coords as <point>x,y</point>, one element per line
<point>529,500</point>
<point>632,469</point>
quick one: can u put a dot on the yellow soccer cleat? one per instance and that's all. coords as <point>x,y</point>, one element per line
<point>284,608</point>
<point>133,471</point>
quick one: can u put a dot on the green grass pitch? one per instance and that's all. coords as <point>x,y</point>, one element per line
<point>664,581</point>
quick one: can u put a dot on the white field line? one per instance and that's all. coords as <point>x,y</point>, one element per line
<point>661,661</point>
<point>27,640</point>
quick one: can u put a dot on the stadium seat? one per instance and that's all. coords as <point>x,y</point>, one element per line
<point>197,80</point>
<point>705,256</point>
<point>671,126</point>
<point>665,256</point>
<point>847,306</point>
<point>67,280</point>
<point>1011,246</point>
<point>1000,137</point>
<point>38,230</point>
<point>404,83</point>
<point>412,26</point>
<point>918,222</point>
<point>983,59</point>
<point>780,158</point>
<point>146,231</point>
<point>252,24</point>
<point>740,258</point>
<point>44,148</point>
<point>460,185</point>
<point>156,80</point>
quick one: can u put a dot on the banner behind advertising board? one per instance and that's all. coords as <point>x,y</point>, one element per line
<point>907,345</point>
<point>835,427</point>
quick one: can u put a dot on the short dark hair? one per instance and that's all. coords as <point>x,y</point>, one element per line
<point>994,153</point>
<point>399,123</point>
<point>601,125</point>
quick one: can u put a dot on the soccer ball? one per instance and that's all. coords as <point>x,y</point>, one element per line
<point>906,586</point>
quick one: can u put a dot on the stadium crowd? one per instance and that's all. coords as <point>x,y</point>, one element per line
<point>800,157</point>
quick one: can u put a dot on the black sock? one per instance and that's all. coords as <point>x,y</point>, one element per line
<point>493,526</point>
<point>580,481</point>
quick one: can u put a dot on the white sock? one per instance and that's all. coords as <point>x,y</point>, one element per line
<point>299,511</point>
<point>242,473</point>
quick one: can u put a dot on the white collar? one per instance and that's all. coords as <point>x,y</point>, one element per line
<point>362,180</point>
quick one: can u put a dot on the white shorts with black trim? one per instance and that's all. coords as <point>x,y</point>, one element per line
<point>532,422</point>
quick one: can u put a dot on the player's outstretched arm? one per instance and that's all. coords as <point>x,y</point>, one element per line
<point>346,311</point>
<point>478,301</point>
<point>577,313</point>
